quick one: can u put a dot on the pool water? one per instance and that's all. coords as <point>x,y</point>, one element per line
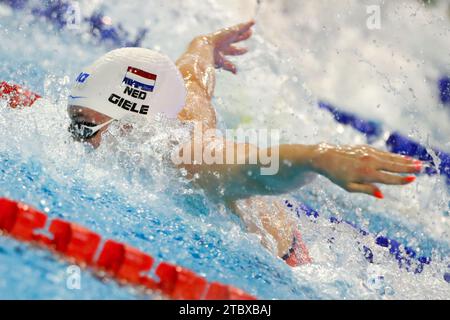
<point>300,53</point>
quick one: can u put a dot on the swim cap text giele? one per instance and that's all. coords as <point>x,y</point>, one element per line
<point>130,81</point>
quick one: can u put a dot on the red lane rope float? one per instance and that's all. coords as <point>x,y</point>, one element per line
<point>120,261</point>
<point>16,95</point>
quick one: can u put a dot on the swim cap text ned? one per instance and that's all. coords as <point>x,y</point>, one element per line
<point>130,81</point>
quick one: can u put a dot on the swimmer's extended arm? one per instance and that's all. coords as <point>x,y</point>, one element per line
<point>197,64</point>
<point>354,168</point>
<point>197,67</point>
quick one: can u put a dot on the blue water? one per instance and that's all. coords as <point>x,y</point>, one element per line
<point>131,195</point>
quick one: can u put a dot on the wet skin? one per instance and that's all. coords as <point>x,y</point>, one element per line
<point>354,168</point>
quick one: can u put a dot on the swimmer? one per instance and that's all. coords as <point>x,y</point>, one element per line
<point>142,82</point>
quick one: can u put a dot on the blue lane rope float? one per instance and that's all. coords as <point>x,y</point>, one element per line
<point>406,257</point>
<point>400,144</point>
<point>444,90</point>
<point>396,142</point>
<point>98,24</point>
<point>371,129</point>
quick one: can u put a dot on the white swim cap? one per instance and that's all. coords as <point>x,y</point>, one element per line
<point>130,81</point>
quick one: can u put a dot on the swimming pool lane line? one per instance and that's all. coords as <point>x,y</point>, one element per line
<point>444,90</point>
<point>98,25</point>
<point>16,95</point>
<point>406,257</point>
<point>119,261</point>
<point>396,142</point>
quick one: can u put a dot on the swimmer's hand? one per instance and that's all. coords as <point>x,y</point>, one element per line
<point>223,41</point>
<point>357,168</point>
<point>197,66</point>
<point>354,168</point>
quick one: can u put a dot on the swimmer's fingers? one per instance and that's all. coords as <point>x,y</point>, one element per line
<point>229,66</point>
<point>366,188</point>
<point>396,163</point>
<point>244,36</point>
<point>243,28</point>
<point>393,157</point>
<point>225,64</point>
<point>234,51</point>
<point>398,167</point>
<point>233,33</point>
<point>389,178</point>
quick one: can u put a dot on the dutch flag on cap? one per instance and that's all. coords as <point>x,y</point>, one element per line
<point>140,79</point>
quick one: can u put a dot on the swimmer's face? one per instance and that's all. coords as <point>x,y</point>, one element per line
<point>90,118</point>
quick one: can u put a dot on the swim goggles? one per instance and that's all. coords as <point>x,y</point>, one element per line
<point>85,130</point>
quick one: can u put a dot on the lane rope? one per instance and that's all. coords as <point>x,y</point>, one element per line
<point>395,142</point>
<point>16,96</point>
<point>66,14</point>
<point>407,257</point>
<point>119,261</point>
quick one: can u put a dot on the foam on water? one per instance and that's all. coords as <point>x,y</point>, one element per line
<point>300,53</point>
